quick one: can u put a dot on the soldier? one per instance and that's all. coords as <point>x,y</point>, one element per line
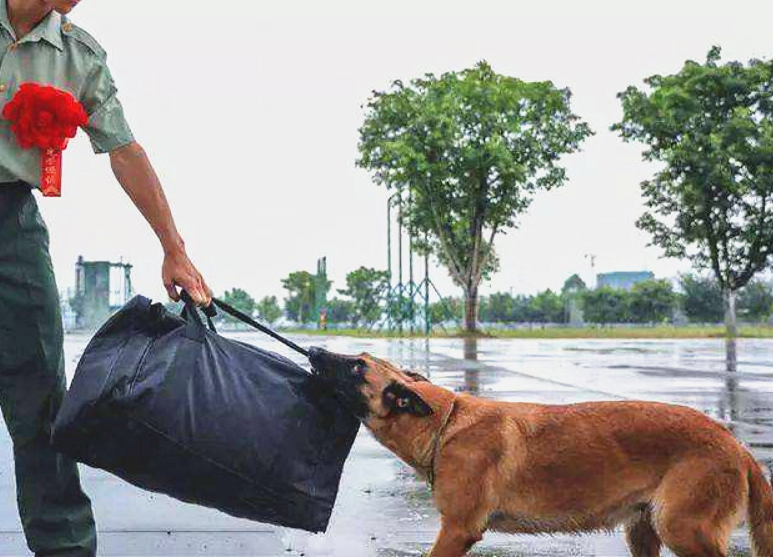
<point>38,44</point>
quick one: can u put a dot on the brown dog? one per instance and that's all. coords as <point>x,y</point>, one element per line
<point>668,473</point>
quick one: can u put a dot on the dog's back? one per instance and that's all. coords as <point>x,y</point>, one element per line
<point>669,473</point>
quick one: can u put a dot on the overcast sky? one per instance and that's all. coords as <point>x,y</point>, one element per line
<point>249,111</point>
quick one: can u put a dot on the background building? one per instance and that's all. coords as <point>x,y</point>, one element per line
<point>101,287</point>
<point>622,279</point>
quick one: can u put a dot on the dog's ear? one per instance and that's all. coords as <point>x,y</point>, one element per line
<point>401,398</point>
<point>417,377</point>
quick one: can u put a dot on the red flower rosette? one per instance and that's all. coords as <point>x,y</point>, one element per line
<point>45,117</point>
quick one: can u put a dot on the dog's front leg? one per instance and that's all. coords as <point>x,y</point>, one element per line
<point>454,540</point>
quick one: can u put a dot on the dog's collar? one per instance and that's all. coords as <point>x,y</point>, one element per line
<point>434,447</point>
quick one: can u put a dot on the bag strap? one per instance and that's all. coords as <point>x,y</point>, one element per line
<point>194,328</point>
<point>210,311</point>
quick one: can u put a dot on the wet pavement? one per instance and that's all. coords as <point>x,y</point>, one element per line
<point>383,509</point>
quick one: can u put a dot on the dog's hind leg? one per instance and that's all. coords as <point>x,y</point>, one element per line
<point>454,540</point>
<point>697,505</point>
<point>642,539</point>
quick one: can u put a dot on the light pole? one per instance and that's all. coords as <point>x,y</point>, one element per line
<point>592,257</point>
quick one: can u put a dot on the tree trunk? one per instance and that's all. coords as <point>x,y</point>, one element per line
<point>471,309</point>
<point>471,373</point>
<point>731,330</point>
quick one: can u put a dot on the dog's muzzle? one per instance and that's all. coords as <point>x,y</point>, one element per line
<point>325,363</point>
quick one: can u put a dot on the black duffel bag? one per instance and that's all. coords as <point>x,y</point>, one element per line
<point>167,404</point>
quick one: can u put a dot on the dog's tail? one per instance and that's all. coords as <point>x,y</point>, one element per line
<point>760,511</point>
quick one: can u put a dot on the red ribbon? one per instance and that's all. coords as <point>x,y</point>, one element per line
<point>45,117</point>
<point>51,173</point>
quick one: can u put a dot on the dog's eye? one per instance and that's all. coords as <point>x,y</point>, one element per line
<point>358,368</point>
<point>402,402</point>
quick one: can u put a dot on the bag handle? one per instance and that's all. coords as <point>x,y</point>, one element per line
<point>194,328</point>
<point>210,311</point>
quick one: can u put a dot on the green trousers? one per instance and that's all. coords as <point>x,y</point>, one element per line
<point>55,513</point>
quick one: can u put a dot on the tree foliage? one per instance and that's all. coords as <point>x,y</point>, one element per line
<point>701,298</point>
<point>239,299</point>
<point>301,289</point>
<point>710,126</point>
<point>446,309</point>
<point>502,307</point>
<point>651,301</point>
<point>268,309</point>
<point>755,301</point>
<point>549,307</point>
<point>366,287</point>
<point>606,305</point>
<point>341,311</point>
<point>498,307</point>
<point>471,148</point>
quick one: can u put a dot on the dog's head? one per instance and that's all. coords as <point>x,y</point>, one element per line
<point>373,389</point>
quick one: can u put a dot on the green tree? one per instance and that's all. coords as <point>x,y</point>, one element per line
<point>341,311</point>
<point>497,308</point>
<point>268,309</point>
<point>701,298</point>
<point>471,148</point>
<point>524,311</point>
<point>239,299</point>
<point>606,305</point>
<point>651,301</point>
<point>401,308</point>
<point>446,309</point>
<point>710,128</point>
<point>502,307</point>
<point>301,289</point>
<point>755,301</point>
<point>548,307</point>
<point>366,287</point>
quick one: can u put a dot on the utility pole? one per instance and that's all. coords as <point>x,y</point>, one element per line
<point>427,321</point>
<point>411,308</point>
<point>320,293</point>
<point>592,257</point>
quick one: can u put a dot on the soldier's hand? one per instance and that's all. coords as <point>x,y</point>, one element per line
<point>179,272</point>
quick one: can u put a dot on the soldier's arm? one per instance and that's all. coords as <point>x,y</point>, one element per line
<point>134,172</point>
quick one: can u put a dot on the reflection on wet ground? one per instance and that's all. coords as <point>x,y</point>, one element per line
<point>383,509</point>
